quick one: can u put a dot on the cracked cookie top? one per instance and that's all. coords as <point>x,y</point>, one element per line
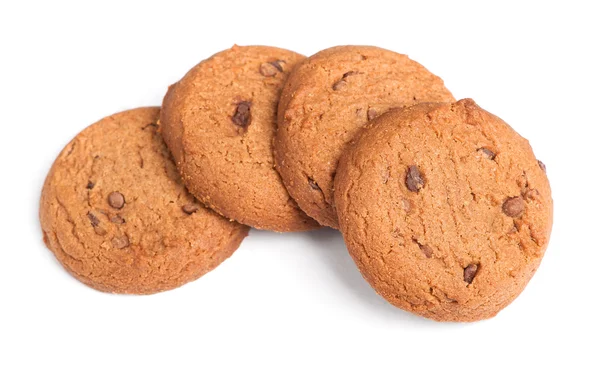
<point>445,210</point>
<point>117,216</point>
<point>328,98</point>
<point>219,121</point>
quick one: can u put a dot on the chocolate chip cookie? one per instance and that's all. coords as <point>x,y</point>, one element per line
<point>117,216</point>
<point>445,210</point>
<point>219,121</point>
<point>326,101</point>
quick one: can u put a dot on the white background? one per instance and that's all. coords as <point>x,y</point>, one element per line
<point>293,306</point>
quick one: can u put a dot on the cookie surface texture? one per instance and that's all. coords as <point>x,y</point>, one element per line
<point>117,216</point>
<point>445,210</point>
<point>219,121</point>
<point>326,101</point>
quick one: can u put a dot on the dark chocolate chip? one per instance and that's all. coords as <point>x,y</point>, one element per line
<point>90,185</point>
<point>93,219</point>
<point>313,184</point>
<point>487,153</point>
<point>342,82</point>
<point>120,242</point>
<point>96,224</point>
<point>542,165</point>
<point>414,179</point>
<point>426,249</point>
<point>513,207</point>
<point>339,85</point>
<point>190,208</point>
<point>117,219</point>
<point>242,116</point>
<point>470,272</point>
<point>347,74</point>
<point>267,69</point>
<point>153,125</point>
<point>116,200</point>
<point>277,64</point>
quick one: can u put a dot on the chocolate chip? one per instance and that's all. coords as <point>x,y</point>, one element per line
<point>342,82</point>
<point>190,208</point>
<point>371,114</point>
<point>487,153</point>
<point>93,219</point>
<point>277,64</point>
<point>116,200</point>
<point>426,249</point>
<point>542,165</point>
<point>269,69</point>
<point>313,184</point>
<point>153,125</point>
<point>242,116</point>
<point>470,272</point>
<point>414,179</point>
<point>117,219</point>
<point>513,207</point>
<point>120,242</point>
<point>90,185</point>
<point>339,85</point>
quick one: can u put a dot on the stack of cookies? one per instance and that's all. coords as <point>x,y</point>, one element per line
<point>443,206</point>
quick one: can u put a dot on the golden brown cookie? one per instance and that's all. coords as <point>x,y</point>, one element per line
<point>445,210</point>
<point>326,101</point>
<point>219,121</point>
<point>117,216</point>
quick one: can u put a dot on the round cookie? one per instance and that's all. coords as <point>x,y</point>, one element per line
<point>445,210</point>
<point>219,121</point>
<point>117,216</point>
<point>326,101</point>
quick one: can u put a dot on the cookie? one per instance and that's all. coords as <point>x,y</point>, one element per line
<point>445,210</point>
<point>117,216</point>
<point>326,101</point>
<point>219,121</point>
